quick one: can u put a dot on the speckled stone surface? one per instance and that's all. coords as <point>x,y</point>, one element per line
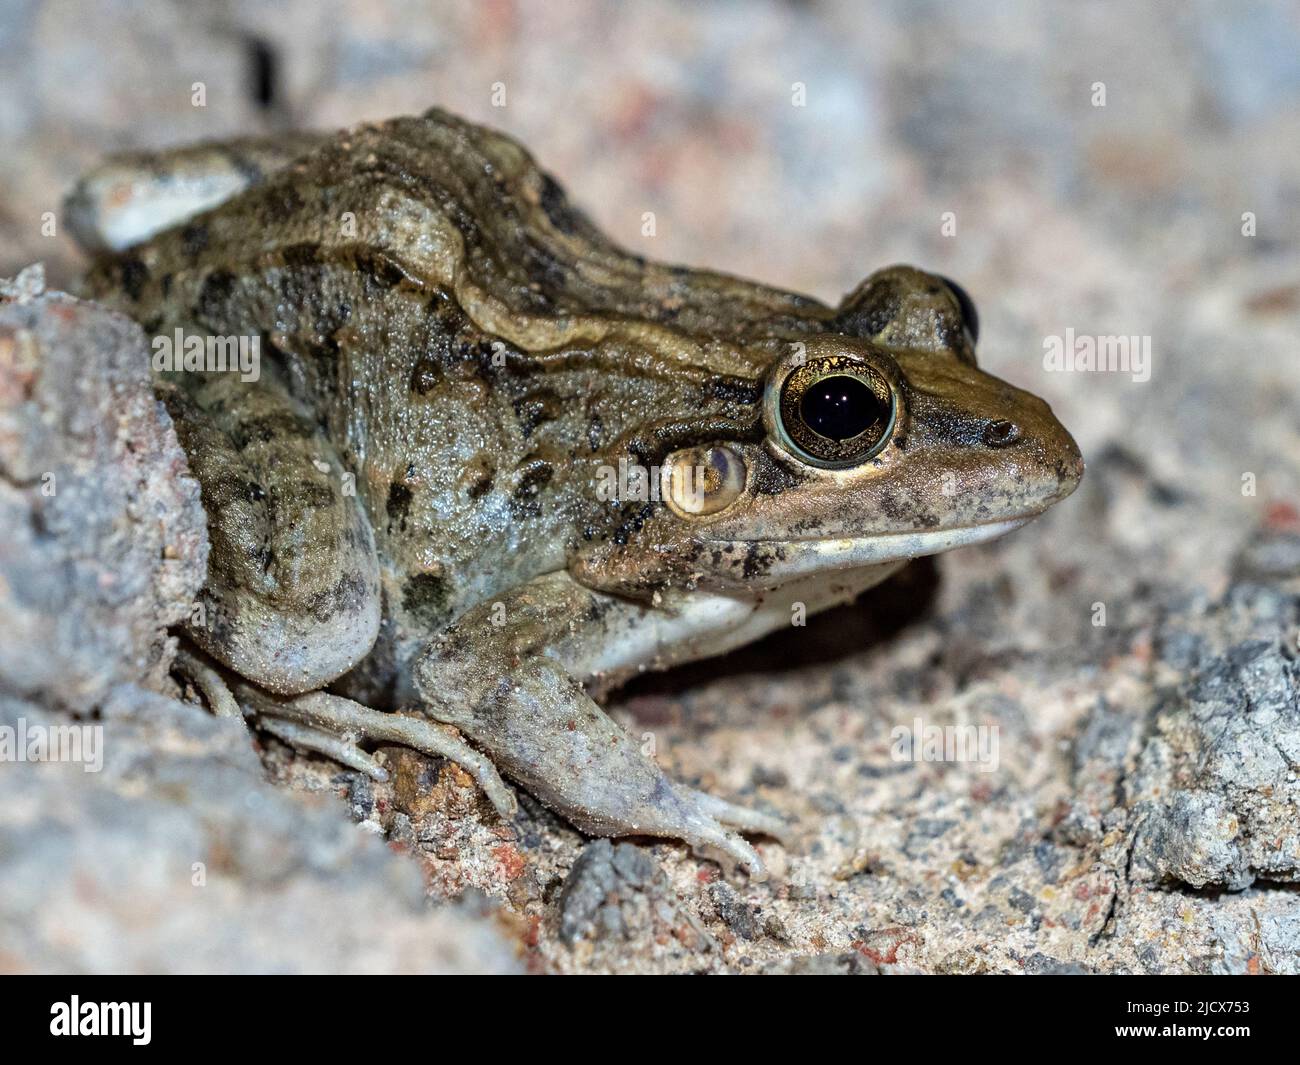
<point>1111,169</point>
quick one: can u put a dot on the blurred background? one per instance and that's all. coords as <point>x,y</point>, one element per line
<point>1115,167</point>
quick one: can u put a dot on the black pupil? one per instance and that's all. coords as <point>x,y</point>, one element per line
<point>840,407</point>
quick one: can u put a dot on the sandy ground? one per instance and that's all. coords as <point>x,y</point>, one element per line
<point>1111,169</point>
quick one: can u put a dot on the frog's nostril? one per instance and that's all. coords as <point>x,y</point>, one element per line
<point>1001,434</point>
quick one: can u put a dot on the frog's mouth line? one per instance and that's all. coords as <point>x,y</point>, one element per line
<point>792,558</point>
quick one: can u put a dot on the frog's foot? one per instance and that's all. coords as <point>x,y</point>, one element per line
<point>742,818</point>
<point>333,726</point>
<point>547,733</point>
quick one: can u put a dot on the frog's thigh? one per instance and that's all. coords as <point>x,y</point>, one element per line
<point>499,685</point>
<point>292,594</point>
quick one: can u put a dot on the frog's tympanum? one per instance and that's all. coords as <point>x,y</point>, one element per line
<point>491,462</point>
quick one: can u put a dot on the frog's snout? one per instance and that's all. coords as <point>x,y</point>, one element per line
<point>1050,461</point>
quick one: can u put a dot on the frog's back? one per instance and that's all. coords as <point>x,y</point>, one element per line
<point>435,200</point>
<point>469,343</point>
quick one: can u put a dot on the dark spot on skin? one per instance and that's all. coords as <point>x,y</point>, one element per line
<point>305,253</point>
<point>215,294</point>
<point>948,330</point>
<point>533,477</point>
<point>595,432</point>
<point>892,509</point>
<point>254,492</point>
<point>481,486</point>
<point>381,269</point>
<point>281,201</point>
<point>266,428</point>
<point>312,495</point>
<point>398,503</point>
<point>424,376</point>
<point>598,608</point>
<point>166,285</point>
<point>425,597</point>
<point>345,596</point>
<point>194,239</point>
<point>548,273</point>
<point>771,478</point>
<point>754,563</point>
<point>133,274</point>
<point>556,205</point>
<point>734,390</point>
<point>955,426</point>
<point>536,410</point>
<point>634,518</point>
<point>324,356</point>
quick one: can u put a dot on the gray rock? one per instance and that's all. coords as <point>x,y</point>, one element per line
<point>104,537</point>
<point>178,857</point>
<point>1217,789</point>
<point>611,891</point>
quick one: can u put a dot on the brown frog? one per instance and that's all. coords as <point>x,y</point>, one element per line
<point>490,460</point>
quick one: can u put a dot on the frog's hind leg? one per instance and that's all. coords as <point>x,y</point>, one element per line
<point>292,599</point>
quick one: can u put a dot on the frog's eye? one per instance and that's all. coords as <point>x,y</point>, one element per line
<point>836,412</point>
<point>696,481</point>
<point>969,314</point>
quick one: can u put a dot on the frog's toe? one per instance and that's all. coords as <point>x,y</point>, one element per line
<point>707,835</point>
<point>340,748</point>
<point>742,818</point>
<point>335,725</point>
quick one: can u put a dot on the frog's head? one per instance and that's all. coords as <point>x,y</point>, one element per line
<point>881,440</point>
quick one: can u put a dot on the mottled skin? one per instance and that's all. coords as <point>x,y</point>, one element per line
<point>439,322</point>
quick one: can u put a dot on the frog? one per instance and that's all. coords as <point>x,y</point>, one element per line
<point>493,465</point>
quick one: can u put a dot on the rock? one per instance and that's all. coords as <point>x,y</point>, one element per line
<point>610,892</point>
<point>1193,837</point>
<point>1216,793</point>
<point>178,857</point>
<point>736,914</point>
<point>104,541</point>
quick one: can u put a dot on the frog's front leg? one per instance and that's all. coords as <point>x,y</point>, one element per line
<point>291,600</point>
<point>504,675</point>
